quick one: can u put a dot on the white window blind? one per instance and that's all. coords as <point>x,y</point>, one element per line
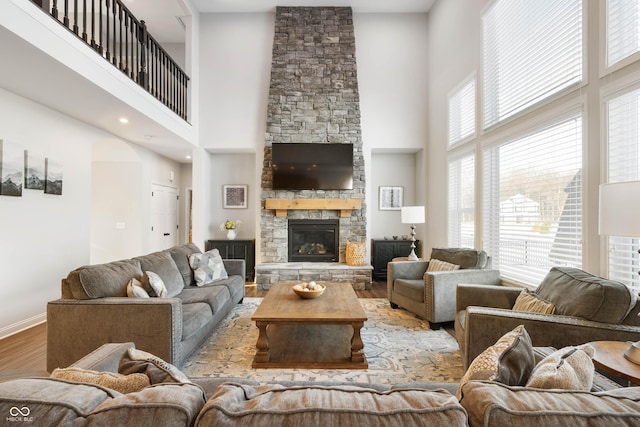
<point>462,113</point>
<point>531,50</point>
<point>623,154</point>
<point>461,227</point>
<point>623,29</point>
<point>532,201</point>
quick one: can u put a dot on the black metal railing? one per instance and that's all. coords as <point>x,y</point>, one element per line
<point>114,33</point>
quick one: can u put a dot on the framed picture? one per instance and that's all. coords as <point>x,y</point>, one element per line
<point>11,169</point>
<point>234,196</point>
<point>52,177</point>
<point>33,170</point>
<point>390,198</point>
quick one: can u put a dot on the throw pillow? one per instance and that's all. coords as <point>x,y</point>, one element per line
<point>158,371</point>
<point>437,265</point>
<point>135,289</point>
<point>207,267</point>
<point>154,285</point>
<point>532,303</point>
<point>569,368</point>
<point>509,361</point>
<point>118,382</point>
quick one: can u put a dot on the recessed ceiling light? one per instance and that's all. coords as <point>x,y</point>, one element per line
<point>124,120</point>
<point>188,157</point>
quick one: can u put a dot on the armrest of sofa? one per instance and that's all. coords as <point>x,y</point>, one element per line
<point>485,325</point>
<point>496,296</point>
<point>105,358</point>
<point>235,267</point>
<point>77,327</point>
<point>441,289</point>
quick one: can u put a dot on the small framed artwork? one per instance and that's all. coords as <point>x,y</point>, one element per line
<point>234,196</point>
<point>11,169</point>
<point>390,198</point>
<point>33,170</point>
<point>52,177</point>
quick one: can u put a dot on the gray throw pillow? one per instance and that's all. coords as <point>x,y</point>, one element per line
<point>207,267</point>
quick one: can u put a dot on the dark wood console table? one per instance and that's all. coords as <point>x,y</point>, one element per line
<point>237,249</point>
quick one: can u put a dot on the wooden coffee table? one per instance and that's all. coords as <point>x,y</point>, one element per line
<point>609,357</point>
<point>310,333</point>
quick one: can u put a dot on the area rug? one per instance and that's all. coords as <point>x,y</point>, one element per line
<point>399,348</point>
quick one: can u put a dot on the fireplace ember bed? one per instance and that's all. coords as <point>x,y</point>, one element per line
<point>314,240</point>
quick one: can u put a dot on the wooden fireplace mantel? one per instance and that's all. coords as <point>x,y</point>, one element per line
<point>345,206</point>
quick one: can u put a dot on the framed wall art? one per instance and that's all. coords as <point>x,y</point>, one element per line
<point>11,169</point>
<point>52,177</point>
<point>390,198</point>
<point>234,196</point>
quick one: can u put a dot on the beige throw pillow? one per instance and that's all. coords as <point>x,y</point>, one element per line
<point>135,289</point>
<point>118,382</point>
<point>154,285</point>
<point>569,368</point>
<point>437,265</point>
<point>532,303</point>
<point>509,361</point>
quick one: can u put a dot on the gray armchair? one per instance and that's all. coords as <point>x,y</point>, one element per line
<point>588,308</point>
<point>432,295</point>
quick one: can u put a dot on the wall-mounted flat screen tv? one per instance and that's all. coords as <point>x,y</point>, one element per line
<point>315,166</point>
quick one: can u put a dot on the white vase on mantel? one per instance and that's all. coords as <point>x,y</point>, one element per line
<point>231,234</point>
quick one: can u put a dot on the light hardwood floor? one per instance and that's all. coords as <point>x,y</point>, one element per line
<point>28,349</point>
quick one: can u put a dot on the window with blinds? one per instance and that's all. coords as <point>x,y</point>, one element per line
<point>623,164</point>
<point>623,30</point>
<point>532,201</point>
<point>462,112</point>
<point>531,50</point>
<point>461,223</point>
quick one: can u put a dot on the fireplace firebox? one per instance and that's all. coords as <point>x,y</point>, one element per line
<point>315,240</point>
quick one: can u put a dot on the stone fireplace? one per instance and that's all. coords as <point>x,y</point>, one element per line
<point>313,98</point>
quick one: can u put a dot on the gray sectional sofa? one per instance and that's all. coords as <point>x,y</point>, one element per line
<point>94,308</point>
<point>208,401</point>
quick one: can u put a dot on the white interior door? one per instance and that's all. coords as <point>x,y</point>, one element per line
<point>164,217</point>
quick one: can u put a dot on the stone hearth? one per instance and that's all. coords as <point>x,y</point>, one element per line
<point>274,272</point>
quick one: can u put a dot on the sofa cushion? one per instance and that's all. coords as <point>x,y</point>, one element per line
<point>569,368</point>
<point>194,317</point>
<point>207,267</point>
<point>410,288</point>
<point>509,361</point>
<point>103,280</point>
<point>580,294</point>
<point>438,265</point>
<point>215,296</point>
<point>118,382</point>
<point>530,302</point>
<point>180,255</point>
<point>340,405</point>
<point>58,402</point>
<point>465,258</point>
<point>163,265</point>
<point>495,404</point>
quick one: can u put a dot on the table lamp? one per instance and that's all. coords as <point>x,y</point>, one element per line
<point>412,215</point>
<point>619,207</point>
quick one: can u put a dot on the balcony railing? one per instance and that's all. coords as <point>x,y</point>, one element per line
<point>113,32</point>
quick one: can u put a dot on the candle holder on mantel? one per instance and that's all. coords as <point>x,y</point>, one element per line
<point>412,215</point>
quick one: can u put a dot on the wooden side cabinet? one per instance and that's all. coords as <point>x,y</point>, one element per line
<point>383,251</point>
<point>237,249</point>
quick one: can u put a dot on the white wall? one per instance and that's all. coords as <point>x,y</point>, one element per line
<point>235,67</point>
<point>43,236</point>
<point>122,177</point>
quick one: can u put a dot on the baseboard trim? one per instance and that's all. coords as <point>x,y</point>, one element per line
<point>15,328</point>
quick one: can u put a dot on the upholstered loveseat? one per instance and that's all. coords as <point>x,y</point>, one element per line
<point>173,401</point>
<point>95,309</point>
<point>432,294</point>
<point>587,308</point>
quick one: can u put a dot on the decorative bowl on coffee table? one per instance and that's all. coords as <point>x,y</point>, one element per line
<point>309,290</point>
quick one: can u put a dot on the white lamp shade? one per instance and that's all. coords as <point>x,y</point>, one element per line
<point>412,215</point>
<point>620,209</point>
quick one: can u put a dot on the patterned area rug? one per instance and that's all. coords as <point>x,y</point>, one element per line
<point>399,348</point>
